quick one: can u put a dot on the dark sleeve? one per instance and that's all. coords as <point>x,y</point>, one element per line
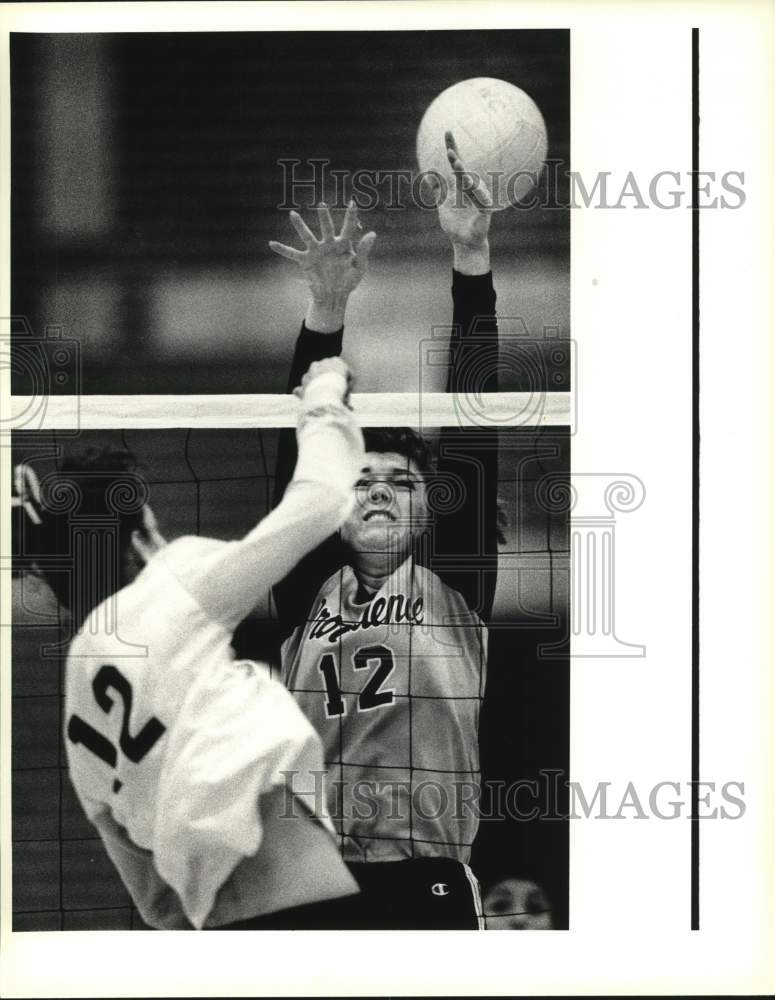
<point>294,595</point>
<point>465,538</point>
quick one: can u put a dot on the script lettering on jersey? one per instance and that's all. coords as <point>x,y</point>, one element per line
<point>393,610</point>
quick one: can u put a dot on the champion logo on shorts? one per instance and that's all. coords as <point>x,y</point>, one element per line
<point>440,889</point>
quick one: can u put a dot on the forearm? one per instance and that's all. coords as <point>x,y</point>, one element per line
<point>319,497</point>
<point>474,340</point>
<point>311,345</point>
<point>310,513</point>
<point>467,536</point>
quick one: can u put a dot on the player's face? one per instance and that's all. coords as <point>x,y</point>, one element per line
<point>516,904</point>
<point>390,504</point>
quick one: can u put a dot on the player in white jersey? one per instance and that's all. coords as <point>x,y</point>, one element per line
<point>388,643</point>
<point>179,752</point>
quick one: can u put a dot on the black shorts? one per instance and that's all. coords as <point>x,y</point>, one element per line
<point>419,894</point>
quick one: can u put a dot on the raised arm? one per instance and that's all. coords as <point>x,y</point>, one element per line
<point>316,502</point>
<point>332,267</point>
<point>465,539</point>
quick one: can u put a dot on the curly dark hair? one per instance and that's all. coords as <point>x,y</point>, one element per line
<point>403,441</point>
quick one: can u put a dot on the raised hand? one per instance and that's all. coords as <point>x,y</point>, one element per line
<point>336,367</point>
<point>331,265</point>
<point>465,215</point>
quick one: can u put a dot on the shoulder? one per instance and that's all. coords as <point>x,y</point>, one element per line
<point>434,588</point>
<point>156,605</point>
<point>335,582</point>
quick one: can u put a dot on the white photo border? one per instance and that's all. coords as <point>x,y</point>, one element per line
<point>631,309</point>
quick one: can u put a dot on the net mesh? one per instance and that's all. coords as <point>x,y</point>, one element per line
<point>218,483</point>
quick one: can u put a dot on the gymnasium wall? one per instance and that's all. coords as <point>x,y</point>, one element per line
<point>147,180</point>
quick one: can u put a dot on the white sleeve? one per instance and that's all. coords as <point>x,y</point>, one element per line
<point>316,503</point>
<point>158,903</point>
<point>239,735</point>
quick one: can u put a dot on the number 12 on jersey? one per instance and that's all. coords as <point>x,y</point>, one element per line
<point>134,746</point>
<point>378,658</point>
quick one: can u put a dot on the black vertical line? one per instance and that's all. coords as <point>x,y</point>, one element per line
<point>694,825</point>
<point>62,760</point>
<point>340,797</point>
<point>195,477</point>
<point>61,753</point>
<point>409,701</point>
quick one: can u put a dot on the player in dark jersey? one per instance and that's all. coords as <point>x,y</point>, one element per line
<point>387,620</point>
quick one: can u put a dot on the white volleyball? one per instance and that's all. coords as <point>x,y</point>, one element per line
<point>499,131</point>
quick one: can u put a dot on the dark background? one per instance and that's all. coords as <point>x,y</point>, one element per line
<point>219,483</point>
<point>146,184</point>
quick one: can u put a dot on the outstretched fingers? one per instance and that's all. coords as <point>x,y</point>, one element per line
<point>480,196</point>
<point>462,177</point>
<point>362,250</point>
<point>449,142</point>
<point>467,183</point>
<point>307,236</point>
<point>297,256</point>
<point>326,222</point>
<point>350,223</point>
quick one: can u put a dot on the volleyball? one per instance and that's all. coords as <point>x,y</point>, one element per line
<point>499,131</point>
